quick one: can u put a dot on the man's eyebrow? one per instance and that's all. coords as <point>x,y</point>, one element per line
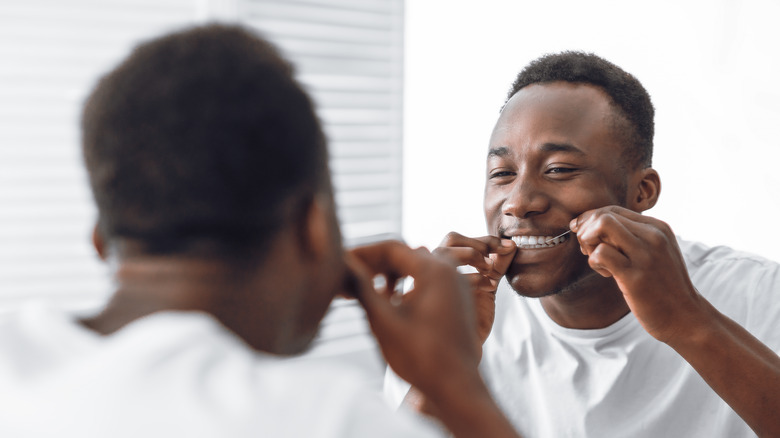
<point>561,147</point>
<point>501,151</point>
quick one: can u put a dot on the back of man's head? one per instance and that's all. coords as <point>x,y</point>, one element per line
<point>201,136</point>
<point>627,95</point>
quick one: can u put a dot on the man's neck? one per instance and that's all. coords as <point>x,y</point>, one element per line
<point>147,285</point>
<point>594,302</point>
<point>272,303</point>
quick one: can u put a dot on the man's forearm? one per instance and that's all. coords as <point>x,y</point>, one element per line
<point>744,372</point>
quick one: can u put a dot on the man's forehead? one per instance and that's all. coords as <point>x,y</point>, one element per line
<point>565,98</point>
<point>557,113</point>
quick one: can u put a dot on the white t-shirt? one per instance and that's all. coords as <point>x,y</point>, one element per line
<point>618,381</point>
<point>174,374</point>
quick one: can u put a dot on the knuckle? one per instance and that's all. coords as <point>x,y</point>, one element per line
<point>450,238</point>
<point>599,221</point>
<point>664,227</point>
<point>657,238</point>
<point>595,255</point>
<point>492,242</point>
<point>608,219</point>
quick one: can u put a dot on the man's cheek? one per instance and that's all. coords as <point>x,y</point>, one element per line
<point>493,225</point>
<point>492,219</point>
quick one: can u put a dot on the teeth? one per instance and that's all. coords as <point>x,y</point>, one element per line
<point>529,242</point>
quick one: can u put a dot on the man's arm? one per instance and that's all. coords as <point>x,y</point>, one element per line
<point>429,335</point>
<point>642,255</point>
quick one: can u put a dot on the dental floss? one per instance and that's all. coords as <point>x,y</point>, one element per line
<point>560,235</point>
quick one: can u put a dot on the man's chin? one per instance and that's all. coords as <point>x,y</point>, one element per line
<point>540,285</point>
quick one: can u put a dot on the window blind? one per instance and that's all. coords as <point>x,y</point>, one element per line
<point>347,53</point>
<point>51,54</point>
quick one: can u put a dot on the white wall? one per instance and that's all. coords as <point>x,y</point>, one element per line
<point>711,68</point>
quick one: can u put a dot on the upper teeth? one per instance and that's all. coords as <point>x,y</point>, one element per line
<point>538,241</point>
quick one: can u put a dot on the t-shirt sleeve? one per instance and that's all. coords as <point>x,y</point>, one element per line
<point>745,287</point>
<point>763,314</point>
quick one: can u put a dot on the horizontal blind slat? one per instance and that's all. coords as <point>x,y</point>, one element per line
<point>317,14</point>
<point>389,7</point>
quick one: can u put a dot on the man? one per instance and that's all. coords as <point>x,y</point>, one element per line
<point>209,171</point>
<point>622,331</point>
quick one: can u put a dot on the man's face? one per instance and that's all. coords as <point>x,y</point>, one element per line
<point>552,156</point>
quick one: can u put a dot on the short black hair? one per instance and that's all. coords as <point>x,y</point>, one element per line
<point>627,94</point>
<point>201,135</point>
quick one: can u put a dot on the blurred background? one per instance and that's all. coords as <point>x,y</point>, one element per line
<point>408,92</point>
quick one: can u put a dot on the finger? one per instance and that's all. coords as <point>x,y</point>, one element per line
<point>463,256</point>
<point>497,245</point>
<point>607,228</point>
<point>634,216</point>
<point>505,247</point>
<point>382,281</point>
<point>502,260</point>
<point>393,258</point>
<point>637,240</point>
<point>652,233</point>
<point>396,259</point>
<point>397,284</point>
<point>484,245</point>
<point>629,214</point>
<point>479,282</point>
<point>380,312</point>
<point>453,239</point>
<point>608,261</point>
<point>360,280</point>
<point>481,252</point>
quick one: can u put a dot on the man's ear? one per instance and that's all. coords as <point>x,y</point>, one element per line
<point>99,243</point>
<point>645,189</point>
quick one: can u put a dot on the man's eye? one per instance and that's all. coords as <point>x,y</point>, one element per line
<point>560,170</point>
<point>501,174</point>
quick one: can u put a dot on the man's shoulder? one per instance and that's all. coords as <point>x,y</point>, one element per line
<point>743,285</point>
<point>699,254</point>
<point>721,266</point>
<point>219,385</point>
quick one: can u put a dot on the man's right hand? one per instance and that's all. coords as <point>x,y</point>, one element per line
<point>491,257</point>
<point>428,335</point>
<point>426,331</point>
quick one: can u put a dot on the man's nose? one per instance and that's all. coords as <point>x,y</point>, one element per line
<point>525,199</point>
